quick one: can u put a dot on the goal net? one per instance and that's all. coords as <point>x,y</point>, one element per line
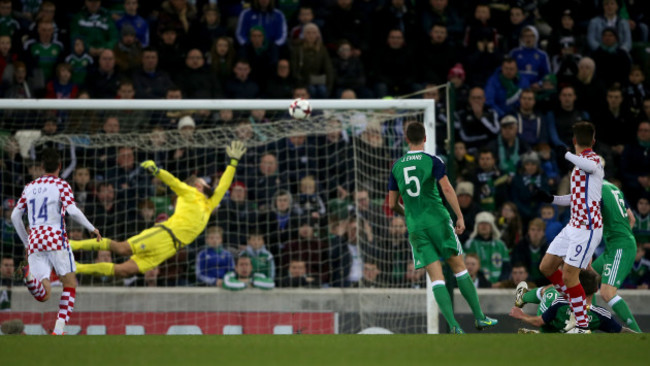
<point>313,192</point>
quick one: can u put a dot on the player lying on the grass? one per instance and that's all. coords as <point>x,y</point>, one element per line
<point>615,264</point>
<point>432,236</point>
<point>155,245</point>
<point>575,244</point>
<point>47,199</point>
<point>554,314</point>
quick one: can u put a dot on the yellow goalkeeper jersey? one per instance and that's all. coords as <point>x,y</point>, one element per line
<point>193,208</point>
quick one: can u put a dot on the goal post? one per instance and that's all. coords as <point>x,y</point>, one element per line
<point>398,310</point>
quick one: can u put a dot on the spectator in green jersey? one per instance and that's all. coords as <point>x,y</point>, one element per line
<point>485,241</point>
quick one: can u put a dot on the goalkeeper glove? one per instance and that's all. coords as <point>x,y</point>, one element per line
<point>150,166</point>
<point>543,196</point>
<point>235,151</point>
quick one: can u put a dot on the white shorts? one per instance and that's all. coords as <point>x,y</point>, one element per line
<point>41,263</point>
<point>576,246</point>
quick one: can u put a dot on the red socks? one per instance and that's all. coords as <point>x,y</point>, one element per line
<point>67,303</point>
<point>556,280</point>
<point>35,288</point>
<point>578,301</point>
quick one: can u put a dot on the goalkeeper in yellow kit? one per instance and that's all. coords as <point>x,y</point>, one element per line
<point>155,245</point>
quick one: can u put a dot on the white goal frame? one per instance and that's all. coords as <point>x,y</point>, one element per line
<point>425,105</point>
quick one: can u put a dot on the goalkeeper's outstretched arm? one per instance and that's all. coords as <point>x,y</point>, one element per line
<point>235,151</point>
<point>166,177</point>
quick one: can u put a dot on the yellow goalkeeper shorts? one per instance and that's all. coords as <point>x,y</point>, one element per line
<point>151,247</point>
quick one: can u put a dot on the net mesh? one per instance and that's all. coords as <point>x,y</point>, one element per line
<point>314,189</point>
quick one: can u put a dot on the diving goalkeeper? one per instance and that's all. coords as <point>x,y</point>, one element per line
<point>156,244</point>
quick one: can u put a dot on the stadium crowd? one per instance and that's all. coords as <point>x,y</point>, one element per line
<point>523,73</point>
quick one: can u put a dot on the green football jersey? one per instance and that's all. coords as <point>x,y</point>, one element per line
<point>262,261</point>
<point>558,315</point>
<point>80,65</point>
<point>493,254</point>
<point>550,295</point>
<point>47,55</point>
<point>616,225</point>
<point>415,175</point>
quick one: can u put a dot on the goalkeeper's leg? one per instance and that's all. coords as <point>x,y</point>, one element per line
<point>119,247</point>
<point>126,269</point>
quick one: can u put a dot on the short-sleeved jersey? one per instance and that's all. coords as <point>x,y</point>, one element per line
<point>46,200</point>
<point>586,192</point>
<point>415,175</point>
<point>80,65</point>
<point>616,225</point>
<point>558,315</point>
<point>47,55</point>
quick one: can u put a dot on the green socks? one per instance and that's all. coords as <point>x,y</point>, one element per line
<point>531,297</point>
<point>91,244</point>
<point>623,311</point>
<point>444,303</point>
<point>466,287</point>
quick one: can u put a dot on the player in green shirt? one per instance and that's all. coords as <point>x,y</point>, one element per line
<point>615,263</point>
<point>415,177</point>
<point>554,314</point>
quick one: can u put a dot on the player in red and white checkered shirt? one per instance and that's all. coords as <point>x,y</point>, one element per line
<point>576,243</point>
<point>47,199</point>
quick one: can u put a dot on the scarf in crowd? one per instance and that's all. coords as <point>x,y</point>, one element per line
<point>508,162</point>
<point>511,87</point>
<point>534,180</point>
<point>644,144</point>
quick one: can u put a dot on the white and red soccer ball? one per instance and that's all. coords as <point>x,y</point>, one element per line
<point>300,108</point>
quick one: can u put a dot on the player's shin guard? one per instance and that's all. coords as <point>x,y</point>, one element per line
<point>66,304</point>
<point>467,289</point>
<point>91,244</point>
<point>96,269</point>
<point>35,287</point>
<point>558,282</point>
<point>578,301</point>
<point>444,303</point>
<point>623,312</point>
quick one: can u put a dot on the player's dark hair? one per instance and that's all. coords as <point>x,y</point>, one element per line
<point>415,133</point>
<point>589,281</point>
<point>51,160</point>
<point>584,133</point>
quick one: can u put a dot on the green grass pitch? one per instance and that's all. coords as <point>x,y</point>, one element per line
<point>330,350</point>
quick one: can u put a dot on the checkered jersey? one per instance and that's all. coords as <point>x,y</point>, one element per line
<point>46,200</point>
<point>586,193</point>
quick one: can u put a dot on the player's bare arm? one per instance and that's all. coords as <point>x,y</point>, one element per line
<point>450,195</point>
<point>393,202</point>
<point>533,320</point>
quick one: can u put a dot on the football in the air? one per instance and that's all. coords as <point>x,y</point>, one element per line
<point>300,108</point>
